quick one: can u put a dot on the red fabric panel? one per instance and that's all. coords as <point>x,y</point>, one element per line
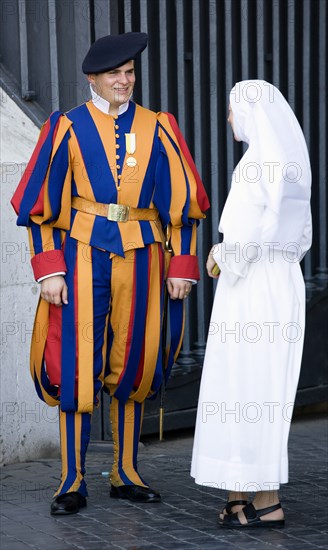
<point>48,262</point>
<point>52,352</point>
<point>18,195</point>
<point>184,267</point>
<point>38,207</point>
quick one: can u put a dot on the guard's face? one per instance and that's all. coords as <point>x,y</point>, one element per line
<point>115,86</point>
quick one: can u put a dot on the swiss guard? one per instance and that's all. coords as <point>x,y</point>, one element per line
<point>108,184</point>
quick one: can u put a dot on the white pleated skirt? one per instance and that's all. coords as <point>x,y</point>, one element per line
<point>249,380</point>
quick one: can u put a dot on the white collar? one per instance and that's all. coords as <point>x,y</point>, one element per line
<point>104,105</point>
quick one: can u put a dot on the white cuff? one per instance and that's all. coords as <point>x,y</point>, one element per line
<point>193,281</point>
<point>51,275</point>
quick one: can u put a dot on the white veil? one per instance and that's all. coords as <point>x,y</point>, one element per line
<point>269,201</point>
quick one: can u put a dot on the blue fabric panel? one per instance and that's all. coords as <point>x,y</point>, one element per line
<point>68,359</point>
<point>146,231</point>
<point>148,185</point>
<point>176,322</point>
<point>85,438</point>
<point>94,155</point>
<point>186,234</point>
<point>38,175</point>
<point>105,234</point>
<point>57,174</point>
<point>52,390</point>
<point>162,194</point>
<point>101,275</point>
<point>56,235</point>
<point>36,237</point>
<point>158,374</point>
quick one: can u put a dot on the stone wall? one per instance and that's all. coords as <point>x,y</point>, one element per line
<point>29,428</point>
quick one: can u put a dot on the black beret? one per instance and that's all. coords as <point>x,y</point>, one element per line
<point>112,51</point>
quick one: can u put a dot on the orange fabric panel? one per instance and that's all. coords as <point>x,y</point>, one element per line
<point>84,329</point>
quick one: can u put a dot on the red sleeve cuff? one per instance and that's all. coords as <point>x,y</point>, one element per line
<point>184,267</point>
<point>48,262</point>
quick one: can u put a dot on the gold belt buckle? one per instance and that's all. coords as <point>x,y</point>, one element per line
<point>118,212</point>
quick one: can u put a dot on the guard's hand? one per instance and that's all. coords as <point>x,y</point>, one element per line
<point>54,290</point>
<point>178,288</point>
<point>209,266</point>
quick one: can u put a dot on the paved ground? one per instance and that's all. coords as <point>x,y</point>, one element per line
<point>187,518</point>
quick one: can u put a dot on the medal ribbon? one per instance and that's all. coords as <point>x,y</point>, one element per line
<point>130,143</point>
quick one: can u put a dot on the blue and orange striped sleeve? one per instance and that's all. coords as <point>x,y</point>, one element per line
<point>179,196</point>
<point>43,197</point>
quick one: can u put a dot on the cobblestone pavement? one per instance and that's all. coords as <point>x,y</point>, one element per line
<point>187,517</point>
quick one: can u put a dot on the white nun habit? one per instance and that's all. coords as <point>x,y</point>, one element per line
<point>255,340</point>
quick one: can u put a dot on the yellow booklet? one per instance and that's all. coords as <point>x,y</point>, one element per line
<point>216,270</point>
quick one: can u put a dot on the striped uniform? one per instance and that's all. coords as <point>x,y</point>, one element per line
<point>109,333</point>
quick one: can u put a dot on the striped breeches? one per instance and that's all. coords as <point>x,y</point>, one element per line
<point>119,348</point>
<point>108,334</point>
<point>126,421</point>
<point>110,331</point>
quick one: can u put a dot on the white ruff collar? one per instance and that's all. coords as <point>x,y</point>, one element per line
<point>104,105</point>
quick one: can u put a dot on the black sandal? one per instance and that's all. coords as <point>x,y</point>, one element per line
<point>253,518</point>
<point>229,505</point>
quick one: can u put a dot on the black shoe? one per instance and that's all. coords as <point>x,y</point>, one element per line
<point>68,503</point>
<point>253,517</point>
<point>135,493</point>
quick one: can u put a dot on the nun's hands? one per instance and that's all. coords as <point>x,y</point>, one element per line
<point>210,265</point>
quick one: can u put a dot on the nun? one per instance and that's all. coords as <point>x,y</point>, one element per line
<point>256,333</point>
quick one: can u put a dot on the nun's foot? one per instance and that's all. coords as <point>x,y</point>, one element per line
<point>236,502</point>
<point>232,507</point>
<point>270,517</point>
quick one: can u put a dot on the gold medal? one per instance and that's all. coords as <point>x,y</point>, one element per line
<point>130,145</point>
<point>131,161</point>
